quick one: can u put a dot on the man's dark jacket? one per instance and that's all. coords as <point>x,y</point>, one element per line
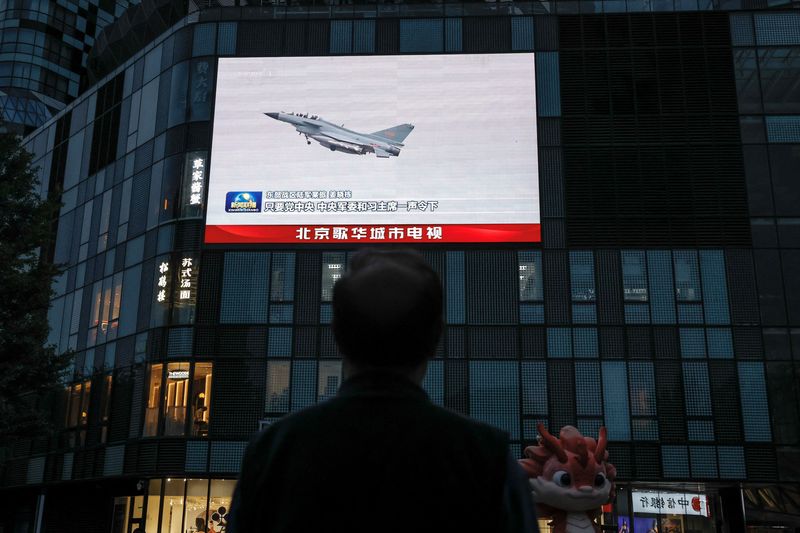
<point>379,457</point>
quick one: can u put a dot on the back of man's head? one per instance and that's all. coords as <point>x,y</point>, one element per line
<point>387,309</point>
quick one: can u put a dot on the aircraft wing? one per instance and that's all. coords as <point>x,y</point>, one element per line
<point>381,153</point>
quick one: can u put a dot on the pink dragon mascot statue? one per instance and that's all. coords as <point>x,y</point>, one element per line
<point>570,478</point>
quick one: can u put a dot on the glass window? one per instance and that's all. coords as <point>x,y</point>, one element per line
<point>755,408</point>
<point>304,383</point>
<point>84,411</point>
<point>119,518</point>
<point>779,69</point>
<point>219,504</point>
<point>634,276</point>
<point>494,394</point>
<point>581,270</point>
<point>588,401</point>
<point>455,293</point>
<point>128,313</point>
<point>105,406</point>
<point>687,276</point>
<point>615,400</point>
<point>244,288</point>
<point>77,412</point>
<point>333,267</point>
<point>153,400</point>
<point>715,287</point>
<point>277,387</point>
<point>328,379</point>
<point>177,94</point>
<point>282,286</point>
<point>747,86</point>
<point>643,390</point>
<point>105,216</point>
<point>176,398</point>
<point>196,519</point>
<point>73,405</point>
<point>106,301</point>
<point>530,277</point>
<point>201,398</point>
<point>662,290</point>
<point>172,514</point>
<point>147,117</point>
<point>696,389</point>
<point>153,504</point>
<point>534,388</point>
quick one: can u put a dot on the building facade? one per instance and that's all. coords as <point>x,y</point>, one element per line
<point>662,303</point>
<point>43,55</point>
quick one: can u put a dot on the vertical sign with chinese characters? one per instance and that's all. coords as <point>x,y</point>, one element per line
<point>202,81</point>
<point>185,293</point>
<point>194,184</point>
<point>162,282</point>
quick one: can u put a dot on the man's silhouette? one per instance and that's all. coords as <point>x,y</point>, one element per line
<point>379,456</point>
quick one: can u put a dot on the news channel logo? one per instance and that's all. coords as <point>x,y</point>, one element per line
<point>243,202</point>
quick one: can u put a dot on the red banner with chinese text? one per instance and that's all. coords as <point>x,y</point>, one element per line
<point>373,234</point>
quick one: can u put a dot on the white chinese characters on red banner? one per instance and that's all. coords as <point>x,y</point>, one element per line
<point>371,233</point>
<point>389,233</point>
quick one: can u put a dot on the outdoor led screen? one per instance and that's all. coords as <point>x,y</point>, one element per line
<point>423,148</point>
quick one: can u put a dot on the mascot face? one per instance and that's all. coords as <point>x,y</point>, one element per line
<point>570,473</point>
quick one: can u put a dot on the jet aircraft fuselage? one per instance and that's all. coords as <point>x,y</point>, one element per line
<point>384,143</point>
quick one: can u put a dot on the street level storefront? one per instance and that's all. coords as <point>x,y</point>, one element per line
<point>174,505</point>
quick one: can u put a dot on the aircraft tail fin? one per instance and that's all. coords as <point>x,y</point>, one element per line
<point>396,134</point>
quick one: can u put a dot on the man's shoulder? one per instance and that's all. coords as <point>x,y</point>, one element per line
<point>331,412</point>
<point>456,421</point>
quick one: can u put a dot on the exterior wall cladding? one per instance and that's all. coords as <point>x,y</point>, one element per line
<point>663,302</point>
<point>44,50</point>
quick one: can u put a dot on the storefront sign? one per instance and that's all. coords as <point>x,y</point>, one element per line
<point>670,503</point>
<point>187,278</point>
<point>162,283</point>
<point>178,374</point>
<point>198,166</point>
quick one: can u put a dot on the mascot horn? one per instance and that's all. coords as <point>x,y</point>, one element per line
<point>570,478</point>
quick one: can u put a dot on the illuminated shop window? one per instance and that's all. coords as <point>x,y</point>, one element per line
<point>201,399</point>
<point>153,505</point>
<point>106,300</point>
<point>175,390</point>
<point>154,388</point>
<point>176,505</point>
<point>77,413</point>
<point>172,505</point>
<point>176,398</point>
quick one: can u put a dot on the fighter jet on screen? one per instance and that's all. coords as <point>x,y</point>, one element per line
<point>384,143</point>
